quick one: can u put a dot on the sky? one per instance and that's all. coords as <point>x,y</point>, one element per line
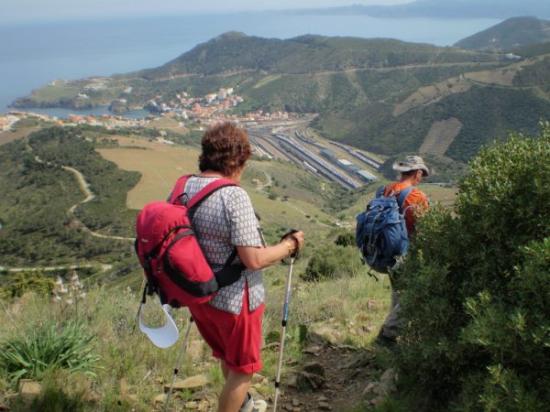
<point>14,11</point>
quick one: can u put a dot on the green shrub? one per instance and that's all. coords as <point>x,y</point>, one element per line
<point>331,262</point>
<point>46,348</point>
<point>476,290</point>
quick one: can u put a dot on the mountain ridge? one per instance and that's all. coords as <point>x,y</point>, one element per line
<point>511,34</point>
<point>500,9</point>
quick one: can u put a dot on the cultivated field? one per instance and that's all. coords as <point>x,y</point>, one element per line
<point>159,164</point>
<point>267,183</point>
<point>440,136</point>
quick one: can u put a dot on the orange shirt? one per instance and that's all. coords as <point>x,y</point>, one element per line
<point>414,205</point>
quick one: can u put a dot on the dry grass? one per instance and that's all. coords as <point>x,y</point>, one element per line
<point>432,94</point>
<point>7,137</point>
<point>160,166</point>
<point>133,371</point>
<point>441,136</point>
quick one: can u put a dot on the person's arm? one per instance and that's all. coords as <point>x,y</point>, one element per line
<point>256,258</point>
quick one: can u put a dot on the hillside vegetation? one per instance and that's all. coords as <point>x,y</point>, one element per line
<point>475,289</point>
<point>37,228</point>
<point>233,52</point>
<point>510,34</point>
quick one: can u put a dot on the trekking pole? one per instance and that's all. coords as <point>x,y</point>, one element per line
<point>283,333</point>
<point>178,363</point>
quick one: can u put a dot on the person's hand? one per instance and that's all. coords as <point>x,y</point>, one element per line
<point>295,242</point>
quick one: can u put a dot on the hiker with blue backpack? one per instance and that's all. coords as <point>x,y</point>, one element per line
<point>385,228</point>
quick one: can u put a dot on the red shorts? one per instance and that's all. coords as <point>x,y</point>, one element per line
<point>235,339</point>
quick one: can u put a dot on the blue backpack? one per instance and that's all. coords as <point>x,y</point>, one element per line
<point>381,233</point>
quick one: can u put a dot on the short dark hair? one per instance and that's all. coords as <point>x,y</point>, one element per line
<point>225,149</point>
<point>410,173</point>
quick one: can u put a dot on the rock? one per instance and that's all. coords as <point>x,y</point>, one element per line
<point>309,381</point>
<point>260,406</point>
<point>388,382</point>
<point>160,398</point>
<point>193,383</point>
<point>191,405</point>
<point>315,368</point>
<point>323,333</point>
<point>29,389</point>
<point>322,398</point>
<point>313,350</point>
<point>257,378</point>
<point>292,381</point>
<point>295,402</point>
<point>324,406</point>
<point>204,406</point>
<point>4,408</point>
<point>370,388</point>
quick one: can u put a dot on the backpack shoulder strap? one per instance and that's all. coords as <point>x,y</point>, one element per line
<point>403,195</point>
<point>209,190</point>
<point>177,191</point>
<point>380,191</point>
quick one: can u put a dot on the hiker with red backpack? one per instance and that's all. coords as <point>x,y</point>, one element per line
<point>204,249</point>
<point>384,229</point>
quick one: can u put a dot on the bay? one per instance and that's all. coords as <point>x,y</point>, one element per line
<point>34,55</point>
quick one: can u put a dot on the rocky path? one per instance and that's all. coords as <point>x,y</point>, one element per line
<point>331,378</point>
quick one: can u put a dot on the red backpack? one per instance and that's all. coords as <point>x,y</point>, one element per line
<point>174,263</point>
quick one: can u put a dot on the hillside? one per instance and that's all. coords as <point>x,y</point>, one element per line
<point>451,9</point>
<point>510,34</point>
<point>236,52</point>
<point>381,95</point>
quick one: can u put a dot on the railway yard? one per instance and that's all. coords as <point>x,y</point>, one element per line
<point>336,162</point>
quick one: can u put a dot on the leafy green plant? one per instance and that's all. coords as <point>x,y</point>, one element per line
<point>331,262</point>
<point>475,289</point>
<point>48,347</point>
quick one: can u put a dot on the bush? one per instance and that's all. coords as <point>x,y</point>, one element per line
<point>476,290</point>
<point>331,262</point>
<point>47,348</point>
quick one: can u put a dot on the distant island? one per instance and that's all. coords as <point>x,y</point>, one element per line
<point>497,9</point>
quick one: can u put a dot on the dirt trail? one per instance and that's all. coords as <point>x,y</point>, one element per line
<point>104,268</point>
<point>347,372</point>
<point>85,188</point>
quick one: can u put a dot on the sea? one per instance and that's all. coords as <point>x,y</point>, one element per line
<point>32,55</point>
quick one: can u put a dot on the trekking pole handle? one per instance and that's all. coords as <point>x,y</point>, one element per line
<point>290,235</point>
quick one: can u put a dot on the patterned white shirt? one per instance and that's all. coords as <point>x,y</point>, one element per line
<point>225,220</point>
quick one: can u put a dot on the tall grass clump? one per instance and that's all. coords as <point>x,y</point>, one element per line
<point>48,347</point>
<point>476,289</point>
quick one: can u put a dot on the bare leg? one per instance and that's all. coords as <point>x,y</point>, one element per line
<point>234,391</point>
<point>225,369</point>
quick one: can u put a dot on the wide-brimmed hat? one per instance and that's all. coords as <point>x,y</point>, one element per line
<point>411,163</point>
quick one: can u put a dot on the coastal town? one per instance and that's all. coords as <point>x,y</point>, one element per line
<point>278,135</point>
<point>188,111</point>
